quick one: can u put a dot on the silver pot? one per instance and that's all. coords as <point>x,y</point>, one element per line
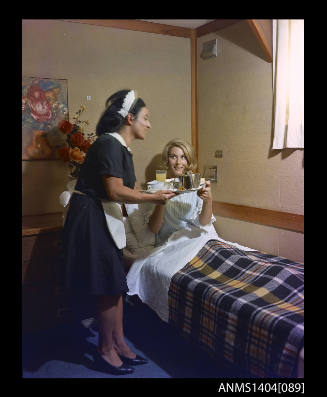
<point>189,181</point>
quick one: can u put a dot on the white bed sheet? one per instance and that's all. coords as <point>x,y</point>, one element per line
<point>150,277</point>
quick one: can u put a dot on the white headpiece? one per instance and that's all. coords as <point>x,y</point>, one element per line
<point>128,102</point>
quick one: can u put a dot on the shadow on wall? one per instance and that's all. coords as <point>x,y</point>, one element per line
<point>241,35</point>
<point>150,170</point>
<point>42,183</point>
<point>284,153</point>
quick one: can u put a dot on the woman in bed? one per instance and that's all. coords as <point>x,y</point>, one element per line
<point>192,208</point>
<point>182,227</point>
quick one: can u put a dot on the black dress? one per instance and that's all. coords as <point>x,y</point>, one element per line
<point>93,265</point>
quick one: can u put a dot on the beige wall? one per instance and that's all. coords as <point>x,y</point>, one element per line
<point>235,116</point>
<point>234,105</point>
<point>98,61</point>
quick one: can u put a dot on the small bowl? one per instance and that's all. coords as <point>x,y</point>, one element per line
<point>155,185</point>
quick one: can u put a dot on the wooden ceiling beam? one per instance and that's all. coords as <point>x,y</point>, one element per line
<point>134,24</point>
<point>215,25</point>
<point>262,29</point>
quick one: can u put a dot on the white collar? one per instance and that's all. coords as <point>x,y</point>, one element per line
<point>119,138</point>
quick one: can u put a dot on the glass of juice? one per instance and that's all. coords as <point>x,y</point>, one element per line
<point>161,175</point>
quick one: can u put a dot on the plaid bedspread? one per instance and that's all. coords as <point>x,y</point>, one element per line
<point>247,307</point>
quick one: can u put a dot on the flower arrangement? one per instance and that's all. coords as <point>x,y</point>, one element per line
<point>71,142</point>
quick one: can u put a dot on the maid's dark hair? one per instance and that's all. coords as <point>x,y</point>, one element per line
<point>111,120</point>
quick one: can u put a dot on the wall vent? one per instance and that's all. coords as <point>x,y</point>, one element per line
<point>209,49</point>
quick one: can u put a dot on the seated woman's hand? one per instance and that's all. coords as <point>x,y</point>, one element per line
<point>205,192</point>
<point>162,196</point>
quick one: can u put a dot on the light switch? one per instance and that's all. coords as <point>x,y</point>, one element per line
<point>88,97</point>
<point>211,173</point>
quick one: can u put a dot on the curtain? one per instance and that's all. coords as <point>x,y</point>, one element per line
<point>288,83</point>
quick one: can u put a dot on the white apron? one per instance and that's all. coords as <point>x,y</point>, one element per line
<point>112,211</point>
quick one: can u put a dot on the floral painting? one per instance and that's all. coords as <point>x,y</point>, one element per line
<point>44,105</point>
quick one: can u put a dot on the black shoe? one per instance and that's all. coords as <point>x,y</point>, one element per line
<point>138,360</point>
<point>102,365</point>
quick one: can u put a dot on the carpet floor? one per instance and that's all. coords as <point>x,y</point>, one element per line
<point>66,351</point>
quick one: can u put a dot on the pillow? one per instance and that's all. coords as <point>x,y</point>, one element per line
<point>137,223</point>
<point>131,242</point>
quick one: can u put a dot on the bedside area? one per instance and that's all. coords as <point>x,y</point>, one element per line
<point>43,301</point>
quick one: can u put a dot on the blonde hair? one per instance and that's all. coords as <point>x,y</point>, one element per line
<point>187,149</point>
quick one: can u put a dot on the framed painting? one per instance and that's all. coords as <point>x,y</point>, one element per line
<point>44,105</point>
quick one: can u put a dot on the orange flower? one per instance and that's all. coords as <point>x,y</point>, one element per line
<point>85,146</point>
<point>65,126</point>
<point>76,155</point>
<point>64,153</point>
<point>76,139</point>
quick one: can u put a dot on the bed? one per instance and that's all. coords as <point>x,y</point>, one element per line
<point>238,304</point>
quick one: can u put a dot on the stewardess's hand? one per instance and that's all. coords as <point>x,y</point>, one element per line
<point>162,196</point>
